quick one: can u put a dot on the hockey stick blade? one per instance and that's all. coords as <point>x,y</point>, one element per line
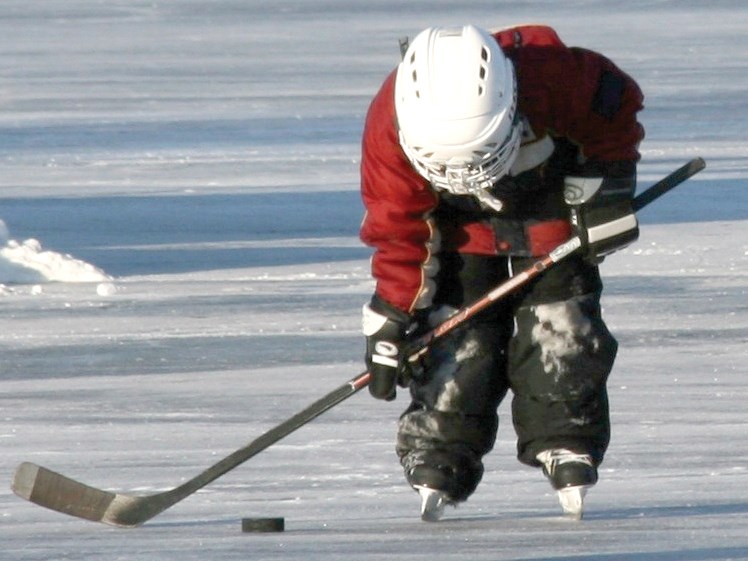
<point>55,491</point>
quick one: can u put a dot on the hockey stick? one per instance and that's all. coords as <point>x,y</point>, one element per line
<point>652,193</point>
<point>58,492</point>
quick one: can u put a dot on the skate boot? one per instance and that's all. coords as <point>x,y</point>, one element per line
<point>431,484</point>
<point>571,475</point>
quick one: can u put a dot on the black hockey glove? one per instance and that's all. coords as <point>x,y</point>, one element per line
<point>385,328</point>
<point>601,213</point>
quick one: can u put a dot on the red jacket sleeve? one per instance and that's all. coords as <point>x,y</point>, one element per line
<point>575,93</point>
<point>397,202</point>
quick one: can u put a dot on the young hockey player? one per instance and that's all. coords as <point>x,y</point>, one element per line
<point>480,152</point>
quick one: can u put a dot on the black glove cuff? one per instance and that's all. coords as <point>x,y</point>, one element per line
<point>381,306</point>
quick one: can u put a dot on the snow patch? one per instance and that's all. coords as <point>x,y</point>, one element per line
<point>555,333</point>
<point>27,262</point>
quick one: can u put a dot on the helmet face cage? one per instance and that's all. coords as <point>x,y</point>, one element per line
<point>467,178</point>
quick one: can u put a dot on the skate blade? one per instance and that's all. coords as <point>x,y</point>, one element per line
<point>571,500</point>
<point>432,504</point>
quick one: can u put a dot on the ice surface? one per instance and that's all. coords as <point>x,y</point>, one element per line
<point>192,169</point>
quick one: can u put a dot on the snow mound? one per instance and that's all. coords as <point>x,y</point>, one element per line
<point>28,263</point>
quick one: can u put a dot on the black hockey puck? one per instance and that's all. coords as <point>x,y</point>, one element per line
<point>263,524</point>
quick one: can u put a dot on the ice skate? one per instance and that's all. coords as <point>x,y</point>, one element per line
<point>430,483</point>
<point>571,475</point>
<point>571,500</point>
<point>432,504</point>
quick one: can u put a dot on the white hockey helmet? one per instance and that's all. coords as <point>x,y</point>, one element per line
<point>456,107</point>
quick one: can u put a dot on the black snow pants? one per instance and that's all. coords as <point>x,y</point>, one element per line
<point>547,344</point>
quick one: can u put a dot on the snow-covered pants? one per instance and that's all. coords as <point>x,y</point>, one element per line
<point>547,344</point>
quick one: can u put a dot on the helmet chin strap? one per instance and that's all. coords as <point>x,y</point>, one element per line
<point>489,200</point>
<point>460,183</point>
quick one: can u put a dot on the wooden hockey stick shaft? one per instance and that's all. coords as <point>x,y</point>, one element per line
<point>63,494</point>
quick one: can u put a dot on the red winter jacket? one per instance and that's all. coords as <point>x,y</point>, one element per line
<point>565,94</point>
